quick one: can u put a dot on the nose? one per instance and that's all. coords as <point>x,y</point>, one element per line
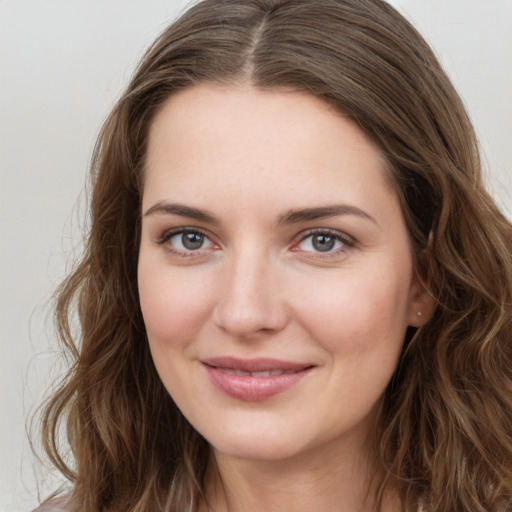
<point>251,299</point>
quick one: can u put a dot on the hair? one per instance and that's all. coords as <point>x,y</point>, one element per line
<point>444,436</point>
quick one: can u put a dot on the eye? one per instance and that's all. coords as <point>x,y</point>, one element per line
<point>324,241</point>
<point>188,241</point>
<point>184,241</point>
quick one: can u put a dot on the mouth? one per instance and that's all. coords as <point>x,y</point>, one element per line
<point>254,379</point>
<point>265,373</point>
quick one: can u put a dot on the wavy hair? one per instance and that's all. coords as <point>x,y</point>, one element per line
<point>445,429</point>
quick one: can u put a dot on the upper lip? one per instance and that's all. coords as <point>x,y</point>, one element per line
<point>254,365</point>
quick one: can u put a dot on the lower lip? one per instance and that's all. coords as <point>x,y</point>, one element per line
<point>253,389</point>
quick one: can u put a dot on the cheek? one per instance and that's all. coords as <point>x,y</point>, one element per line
<point>358,313</point>
<point>173,307</point>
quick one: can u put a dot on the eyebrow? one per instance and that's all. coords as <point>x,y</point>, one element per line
<point>183,211</point>
<point>289,217</point>
<point>322,212</point>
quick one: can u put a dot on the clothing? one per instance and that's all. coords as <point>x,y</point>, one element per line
<point>54,505</point>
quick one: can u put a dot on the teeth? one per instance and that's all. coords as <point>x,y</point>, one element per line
<point>266,373</point>
<point>260,374</point>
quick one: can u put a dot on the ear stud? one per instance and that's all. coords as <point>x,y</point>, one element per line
<point>420,313</point>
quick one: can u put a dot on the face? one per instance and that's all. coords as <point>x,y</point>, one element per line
<point>275,272</point>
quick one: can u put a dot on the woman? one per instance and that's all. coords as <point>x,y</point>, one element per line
<point>296,291</point>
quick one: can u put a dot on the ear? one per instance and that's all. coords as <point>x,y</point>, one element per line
<point>421,304</point>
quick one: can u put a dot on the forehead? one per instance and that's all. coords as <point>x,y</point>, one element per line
<point>279,144</point>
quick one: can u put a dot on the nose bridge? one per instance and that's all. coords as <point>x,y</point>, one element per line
<point>250,302</point>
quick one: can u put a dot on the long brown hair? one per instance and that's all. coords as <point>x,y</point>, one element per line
<point>445,431</point>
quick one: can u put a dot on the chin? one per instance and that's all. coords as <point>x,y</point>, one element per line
<point>259,443</point>
<point>260,449</point>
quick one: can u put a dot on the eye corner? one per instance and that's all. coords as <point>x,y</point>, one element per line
<point>329,244</point>
<point>198,243</point>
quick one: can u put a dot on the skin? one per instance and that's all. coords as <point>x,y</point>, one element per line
<point>259,287</point>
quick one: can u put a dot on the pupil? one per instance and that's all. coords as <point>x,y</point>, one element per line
<point>192,241</point>
<point>323,243</point>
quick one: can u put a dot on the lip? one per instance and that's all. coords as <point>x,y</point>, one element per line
<point>235,377</point>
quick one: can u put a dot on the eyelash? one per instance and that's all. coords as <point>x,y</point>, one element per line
<point>347,241</point>
<point>164,239</point>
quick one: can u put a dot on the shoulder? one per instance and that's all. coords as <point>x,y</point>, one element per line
<point>61,504</point>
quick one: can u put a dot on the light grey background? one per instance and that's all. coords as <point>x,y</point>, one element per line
<point>62,64</point>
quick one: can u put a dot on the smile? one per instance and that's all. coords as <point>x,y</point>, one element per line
<point>256,379</point>
<point>267,373</point>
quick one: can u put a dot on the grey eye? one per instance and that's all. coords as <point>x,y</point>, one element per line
<point>323,243</point>
<point>189,241</point>
<point>192,241</point>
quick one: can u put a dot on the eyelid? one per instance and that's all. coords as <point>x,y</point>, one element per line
<point>347,240</point>
<point>170,233</point>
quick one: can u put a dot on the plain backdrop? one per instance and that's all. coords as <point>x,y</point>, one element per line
<point>62,65</point>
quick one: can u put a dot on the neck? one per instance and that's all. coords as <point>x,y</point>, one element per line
<point>312,482</point>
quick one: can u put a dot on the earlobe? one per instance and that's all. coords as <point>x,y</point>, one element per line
<point>421,305</point>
